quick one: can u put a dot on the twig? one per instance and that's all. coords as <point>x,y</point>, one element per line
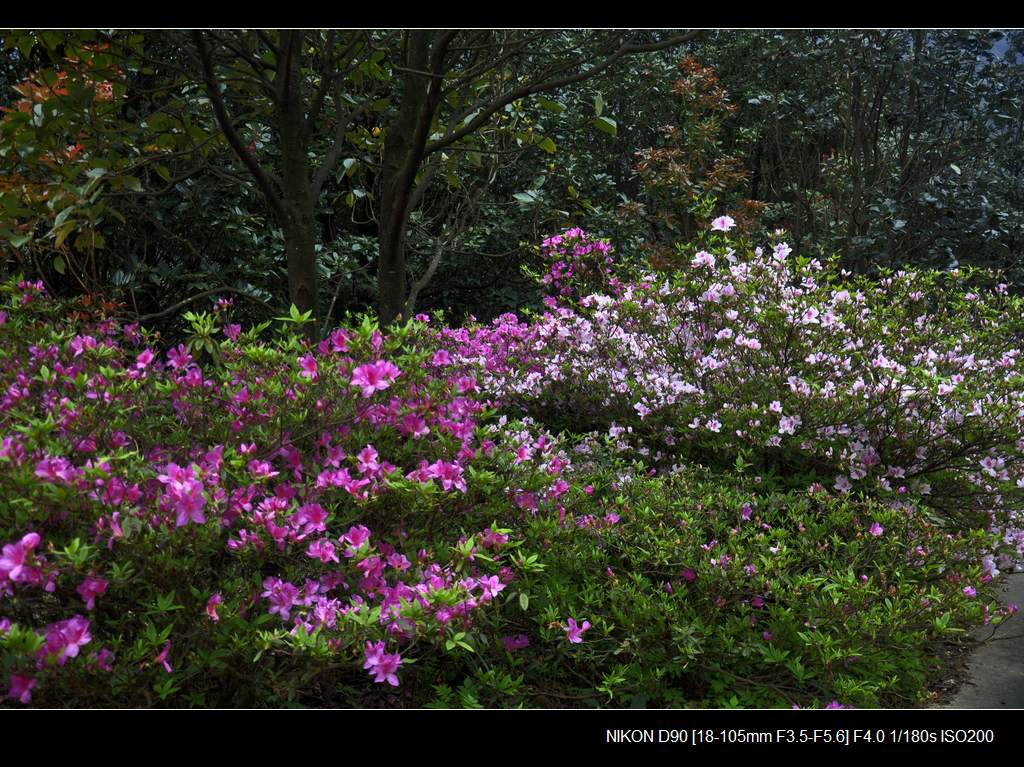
<point>174,307</point>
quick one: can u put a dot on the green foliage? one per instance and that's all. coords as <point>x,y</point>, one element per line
<point>681,591</point>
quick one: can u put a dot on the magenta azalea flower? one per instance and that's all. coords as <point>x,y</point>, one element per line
<point>375,376</point>
<point>448,474</point>
<point>179,358</point>
<point>21,688</point>
<point>143,360</point>
<point>876,529</point>
<point>281,595</point>
<point>517,642</point>
<point>185,494</point>
<point>323,550</point>
<point>64,639</point>
<point>381,665</point>
<point>574,633</point>
<point>308,365</point>
<point>162,657</point>
<point>91,588</point>
<point>211,607</point>
<point>15,558</point>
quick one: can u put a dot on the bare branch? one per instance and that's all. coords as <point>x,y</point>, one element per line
<point>174,307</point>
<point>414,291</point>
<point>263,179</point>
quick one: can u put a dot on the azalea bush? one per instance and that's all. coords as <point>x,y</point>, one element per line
<point>907,384</point>
<point>758,481</point>
<point>716,591</point>
<point>243,519</point>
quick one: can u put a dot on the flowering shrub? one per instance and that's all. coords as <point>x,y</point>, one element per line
<point>709,591</point>
<point>167,519</point>
<point>515,514</point>
<point>909,384</point>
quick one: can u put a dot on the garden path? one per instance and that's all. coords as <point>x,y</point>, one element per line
<point>995,671</point>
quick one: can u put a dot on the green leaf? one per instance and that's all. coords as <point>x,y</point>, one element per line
<point>608,125</point>
<point>547,145</point>
<point>551,106</point>
<point>59,264</point>
<point>524,601</point>
<point>62,232</point>
<point>598,105</point>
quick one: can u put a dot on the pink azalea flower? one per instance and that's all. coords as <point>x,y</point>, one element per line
<point>211,607</point>
<point>64,639</point>
<point>449,474</point>
<point>970,592</point>
<point>308,365</point>
<point>14,562</point>
<point>517,642</point>
<point>179,358</point>
<point>491,586</point>
<point>574,633</point>
<point>374,377</point>
<point>723,224</point>
<point>162,657</point>
<point>143,360</point>
<point>381,665</point>
<point>703,258</point>
<point>91,588</point>
<point>21,688</point>
<point>876,529</point>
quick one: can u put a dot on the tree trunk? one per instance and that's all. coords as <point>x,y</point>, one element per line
<point>299,226</point>
<point>403,152</point>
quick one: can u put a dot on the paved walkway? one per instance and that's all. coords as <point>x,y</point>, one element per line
<point>995,671</point>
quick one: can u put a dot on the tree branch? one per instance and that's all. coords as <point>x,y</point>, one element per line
<point>262,178</point>
<point>174,307</point>
<point>530,89</point>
